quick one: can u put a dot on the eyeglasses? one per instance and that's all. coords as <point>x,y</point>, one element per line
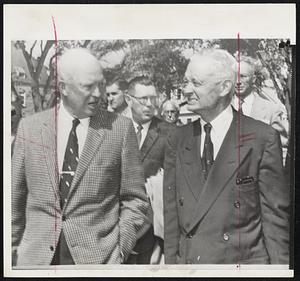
<point>144,100</point>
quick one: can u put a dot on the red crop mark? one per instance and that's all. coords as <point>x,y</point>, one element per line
<point>55,130</point>
<point>34,142</point>
<point>247,137</point>
<point>239,143</point>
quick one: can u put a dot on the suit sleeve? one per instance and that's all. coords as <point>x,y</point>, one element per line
<point>134,204</point>
<point>274,199</point>
<point>171,225</point>
<point>19,190</point>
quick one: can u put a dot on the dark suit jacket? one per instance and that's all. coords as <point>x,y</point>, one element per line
<point>152,155</point>
<point>240,213</point>
<point>107,203</point>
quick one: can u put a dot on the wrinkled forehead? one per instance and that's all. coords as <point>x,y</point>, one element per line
<point>144,90</point>
<point>169,106</point>
<point>112,88</point>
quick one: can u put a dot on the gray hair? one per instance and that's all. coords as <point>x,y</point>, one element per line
<point>223,65</point>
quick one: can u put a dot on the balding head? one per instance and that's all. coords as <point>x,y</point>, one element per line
<point>73,61</point>
<point>81,82</point>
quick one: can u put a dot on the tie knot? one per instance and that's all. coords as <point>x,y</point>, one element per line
<point>139,127</point>
<point>75,123</point>
<point>207,128</point>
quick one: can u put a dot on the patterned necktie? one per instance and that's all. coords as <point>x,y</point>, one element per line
<point>70,163</point>
<point>208,151</point>
<point>139,133</point>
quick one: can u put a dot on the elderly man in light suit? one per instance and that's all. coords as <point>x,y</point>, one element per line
<point>78,194</point>
<point>225,196</point>
<point>255,105</point>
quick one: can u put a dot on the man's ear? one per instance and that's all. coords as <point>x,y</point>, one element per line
<point>127,98</point>
<point>226,88</point>
<point>62,88</point>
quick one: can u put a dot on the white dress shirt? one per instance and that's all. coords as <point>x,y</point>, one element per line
<point>247,104</point>
<point>144,131</point>
<point>64,126</point>
<point>220,126</point>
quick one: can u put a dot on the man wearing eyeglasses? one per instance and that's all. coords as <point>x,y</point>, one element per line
<point>225,196</point>
<point>151,134</point>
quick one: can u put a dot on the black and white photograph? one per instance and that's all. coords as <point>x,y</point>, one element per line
<point>175,154</point>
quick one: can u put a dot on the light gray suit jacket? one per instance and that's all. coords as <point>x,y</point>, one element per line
<point>107,202</point>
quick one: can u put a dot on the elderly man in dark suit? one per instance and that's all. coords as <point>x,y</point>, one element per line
<point>151,134</point>
<point>225,195</point>
<point>78,194</point>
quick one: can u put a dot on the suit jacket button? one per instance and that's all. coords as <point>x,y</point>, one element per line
<point>51,248</point>
<point>181,201</point>
<point>190,235</point>
<point>225,237</point>
<point>237,204</point>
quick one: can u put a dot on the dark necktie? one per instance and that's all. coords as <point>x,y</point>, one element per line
<point>70,163</point>
<point>139,133</point>
<point>241,105</point>
<point>208,151</point>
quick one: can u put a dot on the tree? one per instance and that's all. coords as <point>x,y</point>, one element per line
<point>35,67</point>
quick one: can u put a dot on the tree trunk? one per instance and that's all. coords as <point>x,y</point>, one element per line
<point>36,96</point>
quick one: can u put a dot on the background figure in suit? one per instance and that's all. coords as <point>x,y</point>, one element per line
<point>116,89</point>
<point>78,194</point>
<point>225,195</point>
<point>256,106</point>
<point>151,134</point>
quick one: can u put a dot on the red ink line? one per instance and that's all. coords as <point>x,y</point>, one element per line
<point>55,129</point>
<point>239,143</point>
<point>33,142</point>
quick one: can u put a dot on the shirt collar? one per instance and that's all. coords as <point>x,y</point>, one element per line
<point>221,120</point>
<point>249,99</point>
<point>145,125</point>
<point>67,117</point>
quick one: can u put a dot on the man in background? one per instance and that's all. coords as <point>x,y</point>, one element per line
<point>170,112</point>
<point>78,194</point>
<point>151,133</point>
<point>225,195</point>
<point>115,92</point>
<point>252,104</point>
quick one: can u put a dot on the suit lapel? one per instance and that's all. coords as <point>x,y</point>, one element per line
<point>95,135</point>
<point>48,134</point>
<point>191,158</point>
<point>230,157</point>
<point>150,139</point>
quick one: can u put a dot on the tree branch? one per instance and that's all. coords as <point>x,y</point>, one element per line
<point>85,44</point>
<point>27,58</point>
<point>41,46</point>
<point>43,57</point>
<point>31,49</point>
